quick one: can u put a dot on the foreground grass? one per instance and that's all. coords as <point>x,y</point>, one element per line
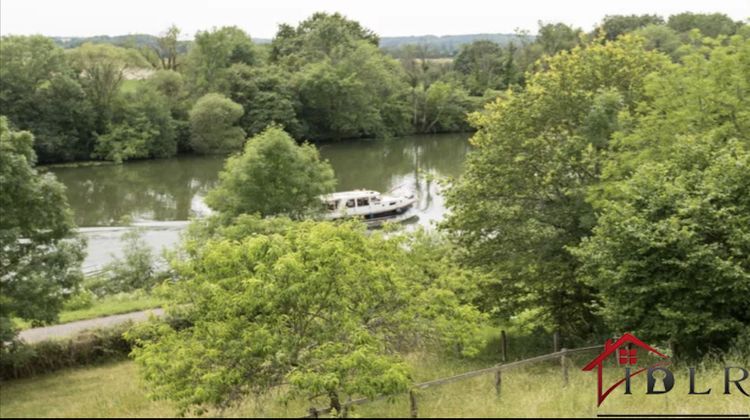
<point>115,390</point>
<point>109,305</point>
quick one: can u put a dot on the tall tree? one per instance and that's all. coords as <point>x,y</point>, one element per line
<point>211,55</point>
<point>273,176</point>
<point>616,25</point>
<point>482,63</point>
<point>521,202</point>
<point>41,254</point>
<point>213,125</point>
<point>167,48</point>
<point>710,24</point>
<point>323,308</point>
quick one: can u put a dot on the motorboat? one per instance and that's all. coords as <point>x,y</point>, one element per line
<point>371,206</point>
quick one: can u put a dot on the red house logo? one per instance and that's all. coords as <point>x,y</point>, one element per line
<point>625,350</point>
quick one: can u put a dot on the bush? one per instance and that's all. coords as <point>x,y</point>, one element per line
<point>19,360</point>
<point>84,299</point>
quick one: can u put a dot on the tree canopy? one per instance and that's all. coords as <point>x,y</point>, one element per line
<point>41,254</point>
<point>273,176</point>
<point>324,308</point>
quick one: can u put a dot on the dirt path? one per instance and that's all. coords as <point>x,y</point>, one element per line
<point>34,335</point>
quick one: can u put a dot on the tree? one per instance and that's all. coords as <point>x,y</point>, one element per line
<point>167,48</point>
<point>100,68</point>
<point>616,25</point>
<point>357,92</point>
<point>316,38</point>
<point>659,37</point>
<point>273,176</point>
<point>322,307</point>
<point>267,96</point>
<point>212,53</point>
<point>710,24</point>
<point>556,37</point>
<point>172,86</point>
<point>142,127</point>
<point>521,202</point>
<point>213,127</point>
<point>41,254</point>
<point>482,62</point>
<point>669,252</point>
<point>444,107</point>
<point>64,121</point>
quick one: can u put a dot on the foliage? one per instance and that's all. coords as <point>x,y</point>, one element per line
<point>41,254</point>
<point>442,107</point>
<point>357,92</point>
<point>212,53</point>
<point>482,63</point>
<point>317,38</point>
<point>322,307</point>
<point>135,270</point>
<point>521,201</point>
<point>616,25</point>
<point>143,127</point>
<point>669,250</point>
<point>273,176</point>
<point>669,253</point>
<point>267,96</point>
<point>22,360</point>
<point>710,24</point>
<point>213,127</point>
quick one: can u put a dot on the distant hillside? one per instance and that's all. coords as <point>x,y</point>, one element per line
<point>445,46</point>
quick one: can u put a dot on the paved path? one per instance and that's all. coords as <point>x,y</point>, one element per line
<point>34,335</point>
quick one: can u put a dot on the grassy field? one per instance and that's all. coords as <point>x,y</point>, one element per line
<point>109,305</point>
<point>116,390</point>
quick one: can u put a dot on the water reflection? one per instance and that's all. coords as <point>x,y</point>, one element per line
<point>172,189</point>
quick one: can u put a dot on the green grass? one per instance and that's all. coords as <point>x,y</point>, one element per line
<point>116,390</point>
<point>109,305</point>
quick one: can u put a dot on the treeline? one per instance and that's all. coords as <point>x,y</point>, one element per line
<point>325,79</point>
<point>612,193</point>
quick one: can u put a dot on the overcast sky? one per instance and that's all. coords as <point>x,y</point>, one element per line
<point>385,17</point>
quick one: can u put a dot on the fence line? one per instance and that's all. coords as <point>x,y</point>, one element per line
<point>497,369</point>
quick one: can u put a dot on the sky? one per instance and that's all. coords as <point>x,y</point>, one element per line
<point>386,17</point>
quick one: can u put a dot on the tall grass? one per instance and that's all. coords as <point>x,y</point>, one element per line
<point>538,391</point>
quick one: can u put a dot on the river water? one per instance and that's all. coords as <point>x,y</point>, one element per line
<point>161,195</point>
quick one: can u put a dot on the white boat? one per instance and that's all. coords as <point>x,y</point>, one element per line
<point>374,208</point>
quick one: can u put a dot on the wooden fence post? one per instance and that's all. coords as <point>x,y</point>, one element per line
<point>504,345</point>
<point>413,404</point>
<point>498,382</point>
<point>556,341</point>
<point>564,366</point>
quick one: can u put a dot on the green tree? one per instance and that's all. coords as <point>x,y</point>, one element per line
<point>168,48</point>
<point>142,127</point>
<point>28,62</point>
<point>659,37</point>
<point>267,96</point>
<point>316,38</point>
<point>669,254</point>
<point>213,127</point>
<point>101,71</point>
<point>211,55</point>
<point>272,176</point>
<point>710,24</point>
<point>64,121</point>
<point>173,87</point>
<point>522,199</point>
<point>41,254</point>
<point>616,25</point>
<point>482,63</point>
<point>325,308</point>
<point>356,93</point>
<point>444,107</point>
<point>556,37</point>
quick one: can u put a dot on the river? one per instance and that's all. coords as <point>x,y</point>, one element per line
<point>161,195</point>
